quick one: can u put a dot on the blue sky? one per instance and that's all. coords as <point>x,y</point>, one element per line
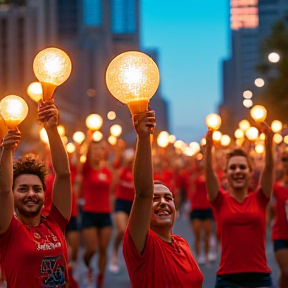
<point>192,38</point>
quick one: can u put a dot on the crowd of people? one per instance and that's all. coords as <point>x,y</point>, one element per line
<point>53,206</point>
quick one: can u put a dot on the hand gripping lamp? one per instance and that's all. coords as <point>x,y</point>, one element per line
<point>52,67</point>
<point>133,78</point>
<point>14,110</point>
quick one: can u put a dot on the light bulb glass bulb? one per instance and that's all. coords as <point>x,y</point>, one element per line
<point>94,122</point>
<point>259,148</point>
<point>244,125</point>
<point>44,136</point>
<point>239,134</point>
<point>276,126</point>
<point>252,133</point>
<point>14,110</point>
<point>112,140</point>
<point>61,130</point>
<point>213,121</point>
<point>195,147</point>
<point>133,78</point>
<point>116,130</point>
<point>52,65</point>
<point>78,137</point>
<point>258,113</point>
<point>216,136</point>
<point>277,138</point>
<point>35,91</point>
<point>163,139</point>
<point>70,147</point>
<point>97,136</point>
<point>172,139</point>
<point>225,140</point>
<point>111,115</point>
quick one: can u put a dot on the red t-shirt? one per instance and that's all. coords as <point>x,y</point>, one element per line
<point>96,189</point>
<point>199,199</point>
<point>280,228</point>
<point>35,256</point>
<point>241,230</point>
<point>162,264</point>
<point>125,189</point>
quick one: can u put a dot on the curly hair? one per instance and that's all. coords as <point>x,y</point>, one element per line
<point>29,164</point>
<point>238,152</point>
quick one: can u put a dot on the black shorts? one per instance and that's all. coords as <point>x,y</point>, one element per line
<point>73,224</point>
<point>239,280</point>
<point>280,244</point>
<point>201,214</point>
<point>123,206</point>
<point>98,220</point>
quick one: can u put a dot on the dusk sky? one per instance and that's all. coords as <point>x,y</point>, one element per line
<point>192,38</point>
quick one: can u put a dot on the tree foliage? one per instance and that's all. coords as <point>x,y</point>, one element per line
<point>275,92</point>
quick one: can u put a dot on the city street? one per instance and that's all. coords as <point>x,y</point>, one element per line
<point>182,228</point>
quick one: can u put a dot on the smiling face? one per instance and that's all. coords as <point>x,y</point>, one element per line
<point>28,195</point>
<point>163,207</point>
<point>238,172</point>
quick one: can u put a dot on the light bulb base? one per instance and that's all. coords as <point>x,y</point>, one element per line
<point>138,106</point>
<point>48,90</point>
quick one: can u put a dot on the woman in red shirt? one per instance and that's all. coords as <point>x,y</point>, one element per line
<point>280,227</point>
<point>241,218</point>
<point>96,218</point>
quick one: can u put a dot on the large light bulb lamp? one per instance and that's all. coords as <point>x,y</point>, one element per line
<point>35,91</point>
<point>163,139</point>
<point>258,113</point>
<point>94,122</point>
<point>276,126</point>
<point>252,133</point>
<point>52,67</point>
<point>213,121</point>
<point>133,78</point>
<point>244,125</point>
<point>78,137</point>
<point>225,140</point>
<point>14,110</point>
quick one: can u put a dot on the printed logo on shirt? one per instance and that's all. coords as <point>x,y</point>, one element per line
<point>102,176</point>
<point>53,273</point>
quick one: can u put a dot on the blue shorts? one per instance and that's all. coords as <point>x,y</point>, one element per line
<point>123,206</point>
<point>201,214</point>
<point>280,244</point>
<point>97,220</point>
<point>73,225</point>
<point>239,280</point>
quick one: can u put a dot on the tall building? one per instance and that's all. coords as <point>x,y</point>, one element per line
<point>250,22</point>
<point>92,32</point>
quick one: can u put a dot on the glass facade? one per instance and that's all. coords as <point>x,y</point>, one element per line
<point>124,16</point>
<point>92,13</point>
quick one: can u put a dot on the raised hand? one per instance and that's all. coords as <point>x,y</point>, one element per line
<point>11,140</point>
<point>145,123</point>
<point>48,114</point>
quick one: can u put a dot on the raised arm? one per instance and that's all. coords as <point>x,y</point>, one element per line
<point>139,220</point>
<point>10,142</point>
<point>211,179</point>
<point>48,116</point>
<point>266,178</point>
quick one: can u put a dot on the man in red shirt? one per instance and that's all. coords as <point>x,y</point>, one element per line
<point>33,251</point>
<point>155,257</point>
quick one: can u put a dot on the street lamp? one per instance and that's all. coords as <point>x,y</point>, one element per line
<point>133,78</point>
<point>35,92</point>
<point>94,122</point>
<point>213,121</point>
<point>258,113</point>
<point>14,110</point>
<point>52,67</point>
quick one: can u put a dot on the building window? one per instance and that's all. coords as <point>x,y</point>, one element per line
<point>92,13</point>
<point>124,16</point>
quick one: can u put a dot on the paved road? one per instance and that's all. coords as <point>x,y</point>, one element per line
<point>182,228</point>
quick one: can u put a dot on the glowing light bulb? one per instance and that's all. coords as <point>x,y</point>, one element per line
<point>52,67</point>
<point>259,148</point>
<point>244,125</point>
<point>172,139</point>
<point>116,130</point>
<point>213,121</point>
<point>262,136</point>
<point>61,130</point>
<point>277,138</point>
<point>195,147</point>
<point>276,126</point>
<point>35,91</point>
<point>274,57</point>
<point>203,141</point>
<point>111,115</point>
<point>252,133</point>
<point>163,139</point>
<point>247,94</point>
<point>70,147</point>
<point>216,135</point>
<point>44,136</point>
<point>239,134</point>
<point>133,78</point>
<point>112,140</point>
<point>14,110</point>
<point>259,82</point>
<point>225,140</point>
<point>97,136</point>
<point>94,122</point>
<point>247,103</point>
<point>258,113</point>
<point>179,144</point>
<point>78,137</point>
